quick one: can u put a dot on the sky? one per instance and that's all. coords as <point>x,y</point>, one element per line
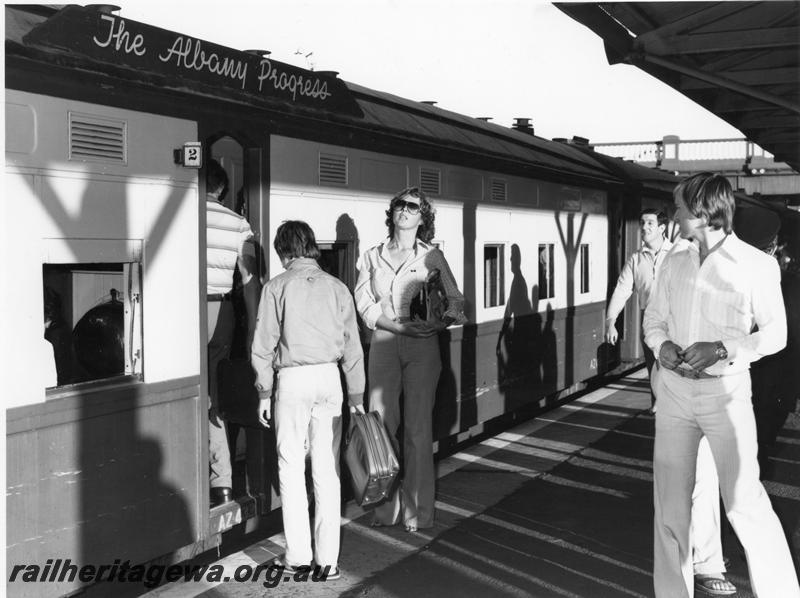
<point>498,58</point>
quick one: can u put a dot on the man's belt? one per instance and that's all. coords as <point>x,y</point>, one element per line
<point>693,374</point>
<point>219,297</point>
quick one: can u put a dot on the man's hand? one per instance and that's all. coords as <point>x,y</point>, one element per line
<point>214,417</point>
<point>611,333</point>
<point>264,414</point>
<point>670,355</point>
<point>357,409</point>
<point>699,356</point>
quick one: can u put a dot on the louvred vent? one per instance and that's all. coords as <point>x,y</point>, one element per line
<point>430,180</point>
<point>333,170</point>
<point>95,139</point>
<point>498,190</point>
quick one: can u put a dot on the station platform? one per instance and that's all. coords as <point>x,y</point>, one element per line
<point>560,505</point>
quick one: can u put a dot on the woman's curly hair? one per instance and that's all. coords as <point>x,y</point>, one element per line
<point>426,230</point>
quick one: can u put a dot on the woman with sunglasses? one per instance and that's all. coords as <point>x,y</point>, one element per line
<point>404,352</point>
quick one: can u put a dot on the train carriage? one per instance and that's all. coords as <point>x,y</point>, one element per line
<point>105,215</point>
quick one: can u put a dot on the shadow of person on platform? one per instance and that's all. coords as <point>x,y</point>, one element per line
<point>549,353</point>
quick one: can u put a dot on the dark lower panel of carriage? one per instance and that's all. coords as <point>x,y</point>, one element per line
<point>505,366</point>
<point>104,475</point>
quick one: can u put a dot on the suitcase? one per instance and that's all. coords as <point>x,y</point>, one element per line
<point>370,458</point>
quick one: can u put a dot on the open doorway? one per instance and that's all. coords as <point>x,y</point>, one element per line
<point>239,456</point>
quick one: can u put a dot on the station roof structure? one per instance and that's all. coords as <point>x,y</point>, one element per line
<point>740,60</point>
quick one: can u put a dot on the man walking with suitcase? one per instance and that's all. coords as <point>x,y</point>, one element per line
<point>306,327</point>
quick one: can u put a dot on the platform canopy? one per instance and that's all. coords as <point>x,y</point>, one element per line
<point>739,60</point>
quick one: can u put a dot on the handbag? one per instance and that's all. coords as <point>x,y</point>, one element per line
<point>430,303</point>
<point>370,457</point>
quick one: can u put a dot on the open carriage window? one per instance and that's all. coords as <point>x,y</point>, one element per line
<point>493,275</point>
<point>92,319</point>
<point>547,275</point>
<point>338,259</point>
<point>584,262</point>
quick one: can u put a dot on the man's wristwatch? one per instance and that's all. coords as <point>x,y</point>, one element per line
<point>722,352</point>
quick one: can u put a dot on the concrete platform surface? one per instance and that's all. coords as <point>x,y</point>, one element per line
<point>561,505</point>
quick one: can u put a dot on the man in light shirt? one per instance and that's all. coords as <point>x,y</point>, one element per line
<point>306,329</point>
<point>700,323</point>
<point>638,275</point>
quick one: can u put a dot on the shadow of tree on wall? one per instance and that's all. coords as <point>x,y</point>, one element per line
<point>114,491</point>
<point>570,243</point>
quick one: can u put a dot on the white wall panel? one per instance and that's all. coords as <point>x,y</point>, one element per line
<point>296,193</point>
<point>149,199</point>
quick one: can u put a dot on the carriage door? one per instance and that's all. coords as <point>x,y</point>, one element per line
<point>251,447</point>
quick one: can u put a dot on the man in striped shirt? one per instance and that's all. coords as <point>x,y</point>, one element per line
<point>700,323</point>
<point>227,246</point>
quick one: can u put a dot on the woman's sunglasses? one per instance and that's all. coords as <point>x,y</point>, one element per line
<point>411,208</point>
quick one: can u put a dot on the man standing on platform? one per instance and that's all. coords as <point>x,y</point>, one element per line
<point>638,275</point>
<point>700,323</point>
<point>306,329</point>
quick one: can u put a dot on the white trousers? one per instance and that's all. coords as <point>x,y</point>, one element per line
<point>719,409</point>
<point>705,532</point>
<point>221,322</point>
<point>308,405</point>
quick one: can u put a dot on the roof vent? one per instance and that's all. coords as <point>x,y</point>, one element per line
<point>105,9</point>
<point>430,180</point>
<point>95,139</point>
<point>333,170</point>
<point>560,139</point>
<point>581,141</point>
<point>498,190</point>
<point>428,102</point>
<point>485,119</point>
<point>523,125</point>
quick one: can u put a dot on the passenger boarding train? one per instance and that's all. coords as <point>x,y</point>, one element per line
<point>109,123</point>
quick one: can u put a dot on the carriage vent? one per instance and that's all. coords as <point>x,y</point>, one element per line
<point>333,170</point>
<point>94,139</point>
<point>498,190</point>
<point>430,180</point>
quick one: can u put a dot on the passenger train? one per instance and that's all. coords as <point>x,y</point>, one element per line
<point>109,123</point>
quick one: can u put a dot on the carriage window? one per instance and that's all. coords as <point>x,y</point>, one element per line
<point>92,319</point>
<point>337,259</point>
<point>547,284</point>
<point>584,268</point>
<point>493,275</point>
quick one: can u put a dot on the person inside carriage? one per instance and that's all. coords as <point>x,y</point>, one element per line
<point>229,246</point>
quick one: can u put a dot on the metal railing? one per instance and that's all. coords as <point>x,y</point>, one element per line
<point>673,148</point>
